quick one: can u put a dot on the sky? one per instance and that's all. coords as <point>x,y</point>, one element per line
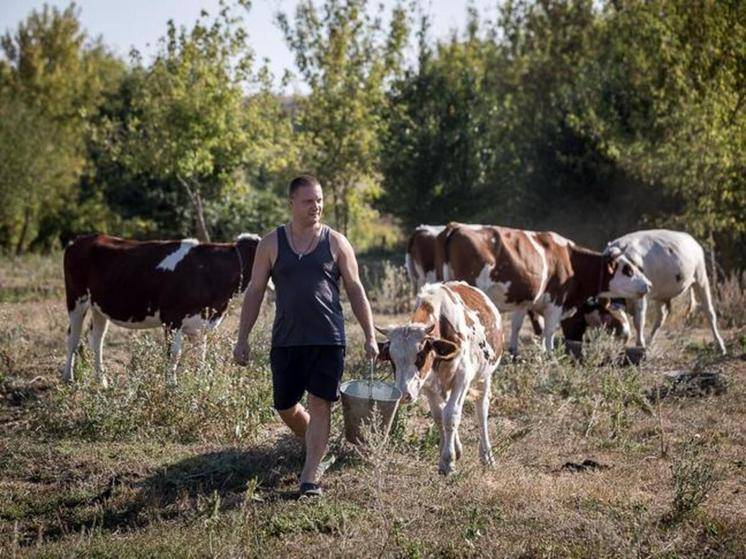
<point>124,24</point>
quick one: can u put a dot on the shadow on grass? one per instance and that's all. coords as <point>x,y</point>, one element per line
<point>183,490</point>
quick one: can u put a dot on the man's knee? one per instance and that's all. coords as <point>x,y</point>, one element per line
<point>318,405</point>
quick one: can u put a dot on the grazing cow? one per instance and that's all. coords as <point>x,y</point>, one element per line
<point>183,286</point>
<point>673,262</point>
<point>600,313</point>
<point>420,256</point>
<point>452,343</point>
<point>540,271</point>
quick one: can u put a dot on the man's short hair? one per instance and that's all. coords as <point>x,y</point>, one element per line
<point>300,181</point>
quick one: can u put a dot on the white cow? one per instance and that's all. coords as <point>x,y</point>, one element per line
<point>673,262</point>
<point>452,344</point>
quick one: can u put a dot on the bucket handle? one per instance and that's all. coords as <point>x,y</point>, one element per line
<point>371,370</point>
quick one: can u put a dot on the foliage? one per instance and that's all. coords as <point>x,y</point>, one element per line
<point>51,79</point>
<point>346,58</point>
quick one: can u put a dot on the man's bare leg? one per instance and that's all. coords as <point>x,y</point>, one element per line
<point>317,437</point>
<point>296,418</point>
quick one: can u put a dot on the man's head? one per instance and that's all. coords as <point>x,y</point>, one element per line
<point>306,200</point>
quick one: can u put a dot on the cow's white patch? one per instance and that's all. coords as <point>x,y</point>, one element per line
<point>194,325</point>
<point>497,292</point>
<point>245,236</point>
<point>172,260</point>
<point>544,268</point>
<point>560,240</point>
<point>447,272</point>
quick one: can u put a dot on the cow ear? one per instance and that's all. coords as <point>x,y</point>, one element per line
<point>611,267</point>
<point>612,253</point>
<point>445,349</point>
<point>384,331</point>
<point>383,351</point>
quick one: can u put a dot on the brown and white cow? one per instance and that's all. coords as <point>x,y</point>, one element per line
<point>420,256</point>
<point>452,344</point>
<point>540,271</point>
<point>183,286</point>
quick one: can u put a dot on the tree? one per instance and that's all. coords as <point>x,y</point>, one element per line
<point>51,80</point>
<point>346,58</point>
<point>189,124</point>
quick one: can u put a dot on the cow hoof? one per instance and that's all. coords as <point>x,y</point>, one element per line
<point>446,468</point>
<point>104,382</point>
<point>488,460</point>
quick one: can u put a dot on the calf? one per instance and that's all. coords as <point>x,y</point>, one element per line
<point>420,256</point>
<point>673,262</point>
<point>525,271</point>
<point>452,343</point>
<point>183,286</point>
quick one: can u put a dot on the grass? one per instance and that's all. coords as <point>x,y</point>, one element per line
<point>206,469</point>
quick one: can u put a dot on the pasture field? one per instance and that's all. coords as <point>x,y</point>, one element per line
<point>594,460</point>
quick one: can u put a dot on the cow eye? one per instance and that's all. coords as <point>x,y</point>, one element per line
<point>627,270</point>
<point>420,361</point>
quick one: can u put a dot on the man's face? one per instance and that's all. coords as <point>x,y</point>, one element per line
<point>306,205</point>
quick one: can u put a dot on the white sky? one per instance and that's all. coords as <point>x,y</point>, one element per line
<point>140,23</point>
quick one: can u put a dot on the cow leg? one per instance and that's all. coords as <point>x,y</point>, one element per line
<point>76,317</point>
<point>662,309</point>
<point>702,285</point>
<point>177,337</point>
<point>516,321</point>
<point>641,307</point>
<point>552,318</point>
<point>451,421</point>
<point>99,325</point>
<point>436,402</point>
<point>482,408</point>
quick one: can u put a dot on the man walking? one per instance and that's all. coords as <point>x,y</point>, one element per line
<point>305,260</point>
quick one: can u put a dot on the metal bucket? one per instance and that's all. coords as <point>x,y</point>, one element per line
<point>365,401</point>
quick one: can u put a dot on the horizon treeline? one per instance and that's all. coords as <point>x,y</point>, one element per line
<point>589,118</point>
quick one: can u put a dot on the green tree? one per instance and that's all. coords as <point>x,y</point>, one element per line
<point>198,129</point>
<point>346,58</point>
<point>52,77</point>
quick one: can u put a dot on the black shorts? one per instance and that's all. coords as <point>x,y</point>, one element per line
<point>295,370</point>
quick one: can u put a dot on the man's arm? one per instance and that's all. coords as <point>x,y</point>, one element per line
<point>356,293</point>
<point>252,301</point>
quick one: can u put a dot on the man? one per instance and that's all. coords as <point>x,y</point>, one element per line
<point>305,260</point>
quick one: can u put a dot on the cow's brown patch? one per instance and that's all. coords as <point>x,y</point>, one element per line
<point>475,301</point>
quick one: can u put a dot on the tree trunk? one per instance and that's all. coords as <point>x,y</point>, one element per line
<point>202,234</point>
<point>24,230</point>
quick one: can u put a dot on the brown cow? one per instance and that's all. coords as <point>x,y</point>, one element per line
<point>540,271</point>
<point>183,286</point>
<point>420,256</point>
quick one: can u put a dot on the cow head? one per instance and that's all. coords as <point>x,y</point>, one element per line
<point>621,277</point>
<point>412,349</point>
<point>603,313</point>
<point>246,244</point>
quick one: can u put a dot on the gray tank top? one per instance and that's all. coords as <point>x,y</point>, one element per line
<point>307,308</point>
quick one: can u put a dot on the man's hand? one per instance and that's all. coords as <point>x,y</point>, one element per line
<point>371,349</point>
<point>241,353</point>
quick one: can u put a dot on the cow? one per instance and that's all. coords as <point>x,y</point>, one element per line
<point>183,286</point>
<point>420,256</point>
<point>539,271</point>
<point>597,313</point>
<point>673,261</point>
<point>452,343</point>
